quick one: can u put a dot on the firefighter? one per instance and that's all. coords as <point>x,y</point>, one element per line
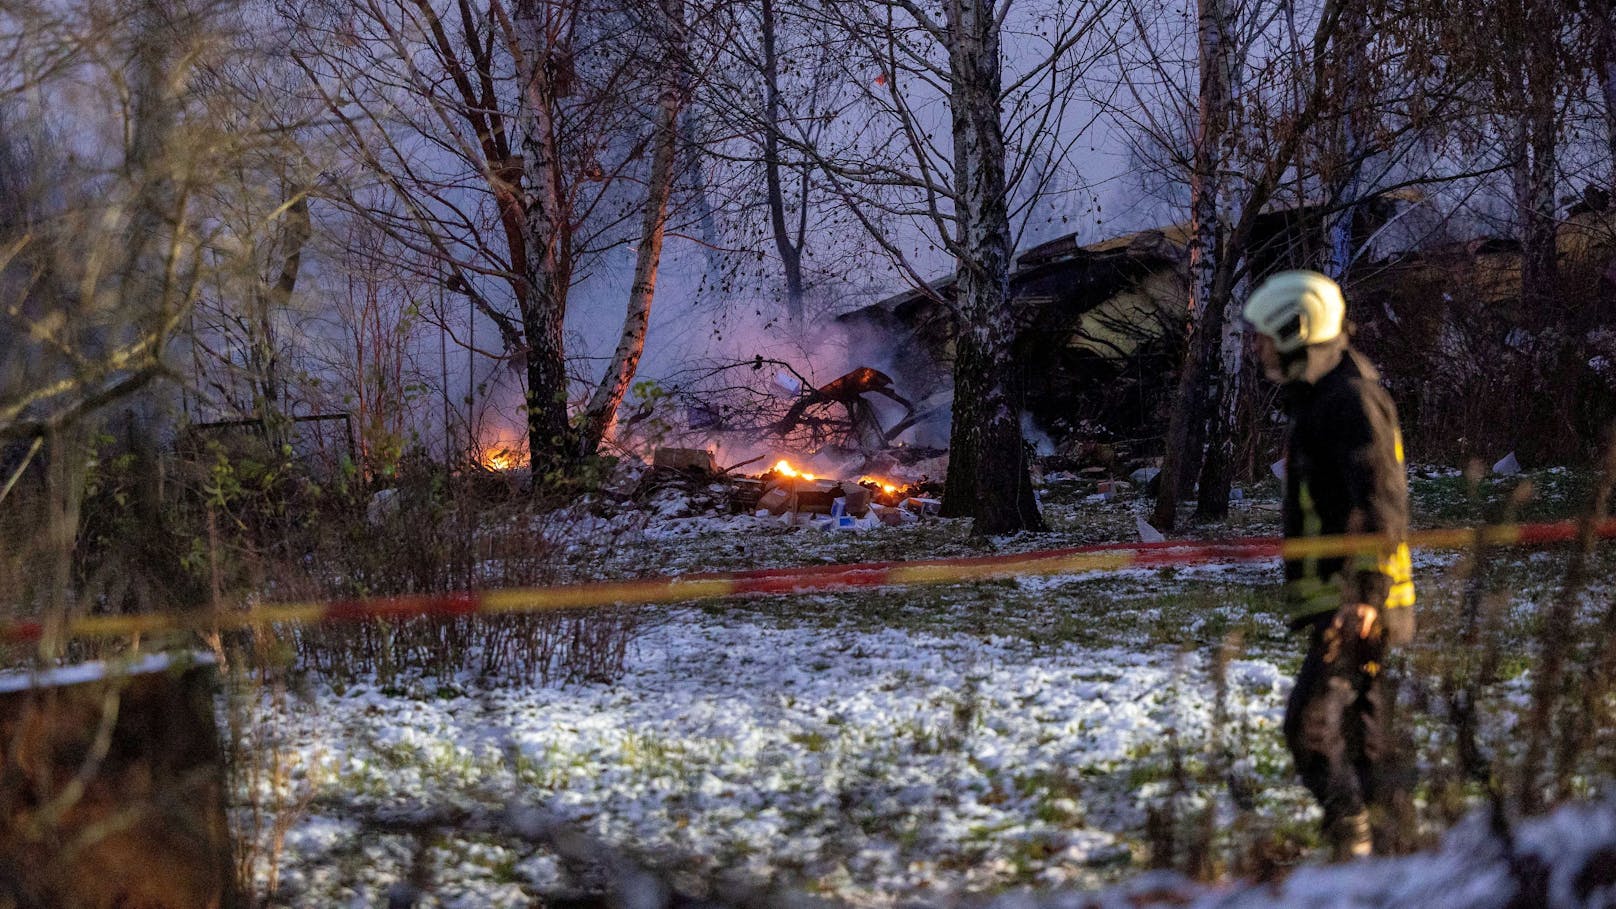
<point>1344,474</point>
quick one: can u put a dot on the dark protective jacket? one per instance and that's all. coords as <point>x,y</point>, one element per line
<point>1344,474</point>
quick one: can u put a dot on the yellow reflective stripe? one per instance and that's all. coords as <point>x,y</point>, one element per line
<point>1398,566</point>
<point>1310,593</point>
<point>1401,596</point>
<point>1312,526</point>
<point>924,574</point>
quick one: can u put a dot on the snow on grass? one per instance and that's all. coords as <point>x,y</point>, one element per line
<point>1566,860</point>
<point>870,765</point>
<point>876,746</point>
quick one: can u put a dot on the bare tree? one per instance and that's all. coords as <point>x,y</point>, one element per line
<point>1216,58</point>
<point>895,177</point>
<point>775,80</point>
<point>504,145</point>
<point>488,143</point>
<point>665,21</point>
<point>1526,59</point>
<point>109,222</point>
<point>1290,112</point>
<point>786,242</point>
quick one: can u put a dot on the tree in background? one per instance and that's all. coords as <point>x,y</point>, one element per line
<point>1289,113</point>
<point>922,147</point>
<point>502,150</point>
<point>666,52</point>
<point>111,226</point>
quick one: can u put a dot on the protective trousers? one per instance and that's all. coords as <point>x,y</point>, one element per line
<point>1339,728</point>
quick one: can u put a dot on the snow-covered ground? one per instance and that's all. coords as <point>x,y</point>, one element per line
<point>876,747</point>
<point>874,766</point>
<point>1564,861</point>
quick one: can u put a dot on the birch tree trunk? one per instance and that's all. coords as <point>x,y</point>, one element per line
<point>989,470</point>
<point>1186,423</point>
<point>601,413</point>
<point>1535,201</point>
<point>546,237</point>
<point>1353,98</point>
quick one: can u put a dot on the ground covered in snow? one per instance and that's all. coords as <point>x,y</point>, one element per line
<point>877,747</point>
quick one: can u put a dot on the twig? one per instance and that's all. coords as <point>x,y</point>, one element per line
<point>725,470</point>
<point>28,458</point>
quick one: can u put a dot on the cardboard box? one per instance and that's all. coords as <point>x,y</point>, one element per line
<point>775,501</point>
<point>858,499</point>
<point>919,505</point>
<point>699,460</point>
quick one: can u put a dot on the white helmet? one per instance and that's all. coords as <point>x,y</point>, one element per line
<point>1297,308</point>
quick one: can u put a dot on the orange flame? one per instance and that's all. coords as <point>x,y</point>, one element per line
<point>886,486</point>
<point>500,458</point>
<point>784,469</point>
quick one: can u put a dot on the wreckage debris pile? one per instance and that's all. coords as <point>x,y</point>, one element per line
<point>798,497</point>
<point>690,481</point>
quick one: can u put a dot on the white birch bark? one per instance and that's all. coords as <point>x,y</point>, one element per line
<point>1185,433</point>
<point>546,238</point>
<point>988,470</point>
<point>601,413</point>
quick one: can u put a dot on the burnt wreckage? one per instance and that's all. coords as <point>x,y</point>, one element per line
<point>1100,327</point>
<point>849,391</point>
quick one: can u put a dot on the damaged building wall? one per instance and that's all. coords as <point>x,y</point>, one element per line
<point>1477,373</point>
<point>1100,332</point>
<point>1474,373</point>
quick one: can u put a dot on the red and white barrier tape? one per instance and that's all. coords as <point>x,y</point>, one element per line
<point>808,579</point>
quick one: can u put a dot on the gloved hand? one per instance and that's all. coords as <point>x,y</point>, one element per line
<point>1358,620</point>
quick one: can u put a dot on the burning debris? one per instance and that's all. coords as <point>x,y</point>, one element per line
<point>500,460</point>
<point>683,482</point>
<point>859,414</point>
<point>850,391</point>
<point>868,501</point>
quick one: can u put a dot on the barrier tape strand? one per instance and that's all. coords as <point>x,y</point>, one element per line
<point>808,579</point>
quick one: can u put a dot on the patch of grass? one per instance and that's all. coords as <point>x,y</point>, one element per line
<point>651,755</point>
<point>813,741</point>
<point>1552,494</point>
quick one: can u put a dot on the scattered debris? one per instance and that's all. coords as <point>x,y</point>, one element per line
<point>868,503</point>
<point>924,506</point>
<point>1110,489</point>
<point>383,505</point>
<point>699,460</point>
<point>684,483</point>
<point>1507,466</point>
<point>850,391</point>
